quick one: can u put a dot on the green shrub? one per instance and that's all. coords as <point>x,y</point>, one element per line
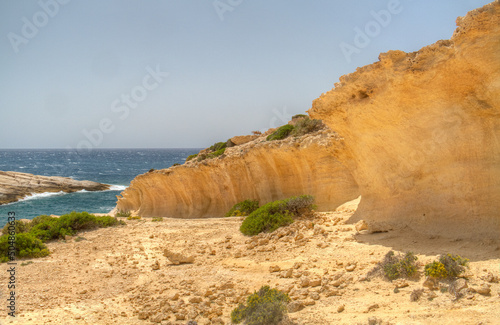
<point>19,226</point>
<point>299,204</point>
<point>69,224</point>
<point>122,214</point>
<point>218,146</point>
<point>39,219</point>
<point>134,218</point>
<point>267,306</point>
<point>299,116</point>
<point>191,157</point>
<point>26,246</point>
<point>281,133</point>
<point>448,266</point>
<point>273,215</point>
<point>401,266</point>
<point>306,125</point>
<point>29,243</point>
<point>243,208</point>
<point>217,153</point>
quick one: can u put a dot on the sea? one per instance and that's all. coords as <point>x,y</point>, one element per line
<point>116,167</point>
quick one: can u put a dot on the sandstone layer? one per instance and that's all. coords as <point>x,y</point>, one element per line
<point>260,170</point>
<point>15,186</point>
<point>422,132</point>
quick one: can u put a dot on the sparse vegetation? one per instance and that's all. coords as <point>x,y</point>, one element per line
<point>256,132</point>
<point>122,214</point>
<point>133,218</point>
<point>299,116</point>
<point>158,219</point>
<point>218,146</point>
<point>243,208</point>
<point>70,224</point>
<point>267,306</point>
<point>397,266</point>
<point>281,133</point>
<point>19,227</point>
<point>176,164</point>
<point>26,263</point>
<point>26,246</point>
<point>303,126</point>
<point>151,170</point>
<point>276,214</point>
<point>448,266</point>
<point>191,157</point>
<point>30,237</point>
<point>306,125</point>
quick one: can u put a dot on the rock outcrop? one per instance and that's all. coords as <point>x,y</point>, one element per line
<point>260,170</point>
<point>15,186</point>
<point>422,132</point>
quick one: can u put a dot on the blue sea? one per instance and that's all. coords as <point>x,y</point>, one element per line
<point>110,166</point>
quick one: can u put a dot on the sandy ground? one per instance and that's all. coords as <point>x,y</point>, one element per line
<point>121,276</point>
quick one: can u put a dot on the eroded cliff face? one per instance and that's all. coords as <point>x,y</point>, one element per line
<point>261,170</point>
<point>422,132</point>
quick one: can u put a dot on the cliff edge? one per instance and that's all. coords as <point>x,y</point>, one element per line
<point>422,132</point>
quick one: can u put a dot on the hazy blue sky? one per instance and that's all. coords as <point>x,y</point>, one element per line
<point>159,74</point>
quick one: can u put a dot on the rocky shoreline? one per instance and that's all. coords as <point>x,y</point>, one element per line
<point>15,186</point>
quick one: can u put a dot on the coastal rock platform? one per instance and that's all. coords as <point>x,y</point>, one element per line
<point>15,186</point>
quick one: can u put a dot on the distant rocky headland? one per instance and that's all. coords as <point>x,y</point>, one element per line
<point>15,186</point>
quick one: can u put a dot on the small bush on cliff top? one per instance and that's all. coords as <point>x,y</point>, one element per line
<point>273,215</point>
<point>243,208</point>
<point>218,146</point>
<point>267,306</point>
<point>191,157</point>
<point>448,266</point>
<point>281,133</point>
<point>306,125</point>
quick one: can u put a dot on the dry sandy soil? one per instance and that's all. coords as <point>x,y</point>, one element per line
<point>121,276</point>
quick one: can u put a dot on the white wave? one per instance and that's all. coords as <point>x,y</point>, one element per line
<point>35,196</point>
<point>117,188</point>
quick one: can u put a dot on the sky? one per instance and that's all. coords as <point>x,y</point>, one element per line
<point>89,74</point>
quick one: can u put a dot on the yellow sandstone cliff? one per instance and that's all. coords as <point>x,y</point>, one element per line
<point>261,170</point>
<point>420,143</point>
<point>422,132</point>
